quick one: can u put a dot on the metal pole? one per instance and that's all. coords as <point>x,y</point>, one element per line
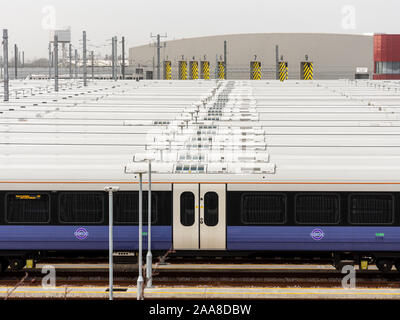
<point>123,58</point>
<point>149,257</point>
<point>225,62</point>
<point>49,60</point>
<point>116,58</point>
<point>76,64</point>
<point>16,61</point>
<point>70,61</point>
<point>153,69</point>
<point>277,61</point>
<point>84,60</point>
<point>110,191</point>
<point>158,58</point>
<point>5,64</point>
<point>56,63</point>
<point>111,244</point>
<point>113,59</point>
<point>23,59</point>
<point>92,53</point>
<point>216,66</point>
<point>140,262</point>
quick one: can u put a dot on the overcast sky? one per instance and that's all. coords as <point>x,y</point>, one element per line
<point>28,21</point>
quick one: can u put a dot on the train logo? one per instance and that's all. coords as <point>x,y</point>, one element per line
<point>317,234</point>
<point>81,233</point>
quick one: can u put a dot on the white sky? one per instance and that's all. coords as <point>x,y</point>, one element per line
<point>28,20</point>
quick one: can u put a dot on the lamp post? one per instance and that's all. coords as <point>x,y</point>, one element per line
<point>139,168</point>
<point>110,191</point>
<point>149,256</point>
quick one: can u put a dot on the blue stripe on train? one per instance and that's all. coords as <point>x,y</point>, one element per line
<point>275,238</point>
<point>332,238</point>
<point>80,238</point>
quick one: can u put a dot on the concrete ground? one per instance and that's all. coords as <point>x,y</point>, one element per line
<point>201,293</point>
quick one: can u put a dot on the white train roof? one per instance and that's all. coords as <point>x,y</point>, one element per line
<point>202,131</point>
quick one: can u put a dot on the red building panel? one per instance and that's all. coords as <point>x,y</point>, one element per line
<point>387,47</point>
<point>386,76</point>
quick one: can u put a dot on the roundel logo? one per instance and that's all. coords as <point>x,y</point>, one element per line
<point>317,234</point>
<point>81,233</point>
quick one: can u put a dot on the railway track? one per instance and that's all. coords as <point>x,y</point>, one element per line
<point>237,275</point>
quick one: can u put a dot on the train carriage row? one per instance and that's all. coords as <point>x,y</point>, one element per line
<point>202,218</point>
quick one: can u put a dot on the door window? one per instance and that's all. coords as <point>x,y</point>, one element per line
<point>187,209</point>
<point>211,209</point>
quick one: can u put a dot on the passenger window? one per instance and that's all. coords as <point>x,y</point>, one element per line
<point>371,209</point>
<point>317,208</point>
<point>78,208</point>
<point>126,207</point>
<point>187,209</point>
<point>263,208</point>
<point>211,209</point>
<point>27,208</point>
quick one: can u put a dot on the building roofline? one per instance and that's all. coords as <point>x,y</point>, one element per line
<point>264,34</point>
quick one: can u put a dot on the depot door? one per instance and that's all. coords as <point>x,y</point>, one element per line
<point>199,217</point>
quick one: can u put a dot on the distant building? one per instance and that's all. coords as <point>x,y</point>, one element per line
<point>387,56</point>
<point>335,56</point>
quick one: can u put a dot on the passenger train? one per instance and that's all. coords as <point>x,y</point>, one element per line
<point>330,186</point>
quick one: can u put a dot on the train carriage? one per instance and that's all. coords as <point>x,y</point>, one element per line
<point>241,168</point>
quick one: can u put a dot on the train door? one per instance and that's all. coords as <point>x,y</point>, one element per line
<point>199,217</point>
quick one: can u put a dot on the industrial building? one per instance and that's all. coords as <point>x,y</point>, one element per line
<point>334,56</point>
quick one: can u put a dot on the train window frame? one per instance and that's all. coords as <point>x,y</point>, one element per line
<point>263,223</point>
<point>153,222</point>
<point>206,209</point>
<point>318,223</point>
<point>194,209</point>
<point>73,223</point>
<point>368,194</point>
<point>26,223</point>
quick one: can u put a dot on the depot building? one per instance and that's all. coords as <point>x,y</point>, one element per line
<point>333,56</point>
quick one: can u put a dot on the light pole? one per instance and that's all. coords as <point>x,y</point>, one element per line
<point>149,256</point>
<point>140,262</point>
<point>140,168</point>
<point>110,191</point>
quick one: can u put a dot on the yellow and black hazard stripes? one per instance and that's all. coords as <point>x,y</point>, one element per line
<point>183,70</point>
<point>255,70</point>
<point>194,70</point>
<point>167,70</point>
<point>307,71</point>
<point>283,71</point>
<point>205,70</point>
<point>221,70</point>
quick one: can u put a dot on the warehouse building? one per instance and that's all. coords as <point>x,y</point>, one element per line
<point>334,56</point>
